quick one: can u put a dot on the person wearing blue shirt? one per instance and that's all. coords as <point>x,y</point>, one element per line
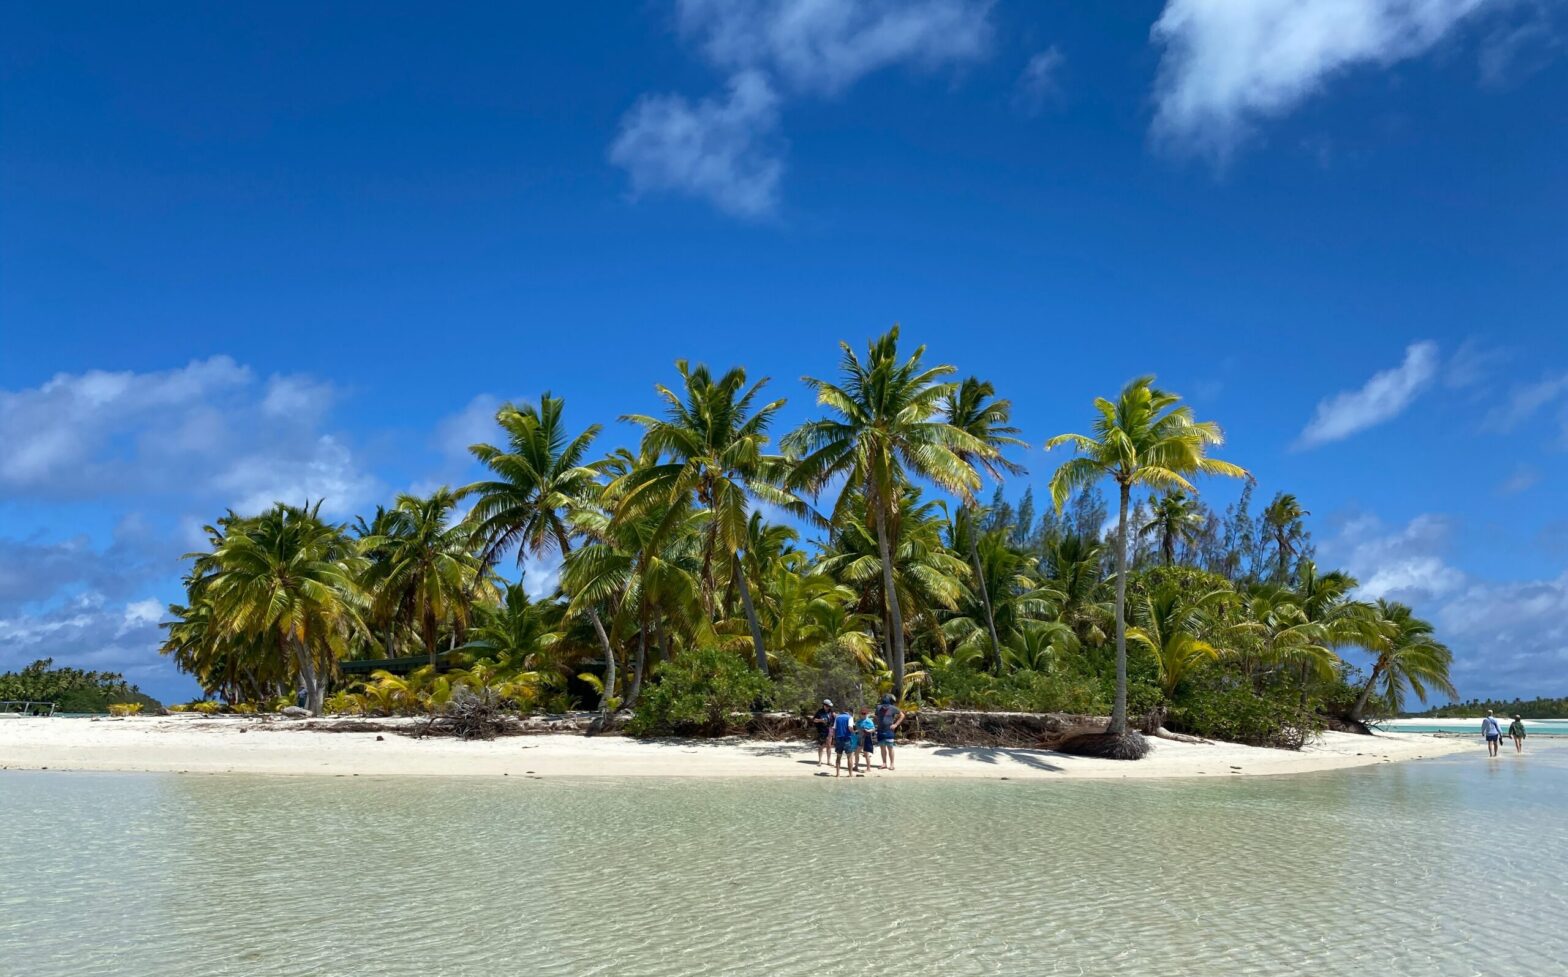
<point>844,742</point>
<point>1493,733</point>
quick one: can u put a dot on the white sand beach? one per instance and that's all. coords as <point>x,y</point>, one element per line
<point>235,744</point>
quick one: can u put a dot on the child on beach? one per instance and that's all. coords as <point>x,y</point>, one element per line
<point>868,737</point>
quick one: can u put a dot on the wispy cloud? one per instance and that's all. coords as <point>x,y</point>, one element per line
<point>1524,478</point>
<point>727,149</point>
<point>822,48</point>
<point>1229,65</point>
<point>1039,84</point>
<point>723,150</point>
<point>1524,401</point>
<point>1380,399</point>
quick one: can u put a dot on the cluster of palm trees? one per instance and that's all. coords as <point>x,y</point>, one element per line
<point>693,539</point>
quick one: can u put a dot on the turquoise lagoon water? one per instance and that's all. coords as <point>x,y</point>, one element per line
<point>1452,866</point>
<point>1472,727</point>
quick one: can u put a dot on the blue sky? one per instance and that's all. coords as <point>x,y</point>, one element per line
<point>250,251</point>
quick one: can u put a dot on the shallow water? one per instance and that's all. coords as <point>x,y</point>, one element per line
<point>1437,867</point>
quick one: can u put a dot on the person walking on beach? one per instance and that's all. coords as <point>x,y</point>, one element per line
<point>1493,733</point>
<point>823,723</point>
<point>867,737</point>
<point>889,718</point>
<point>844,742</point>
<point>1516,730</point>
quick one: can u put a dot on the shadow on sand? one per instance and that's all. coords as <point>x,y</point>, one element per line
<point>1038,759</point>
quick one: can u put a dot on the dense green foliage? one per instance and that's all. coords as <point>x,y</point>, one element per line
<point>682,595</point>
<point>1538,708</point>
<point>697,693</point>
<point>71,689</point>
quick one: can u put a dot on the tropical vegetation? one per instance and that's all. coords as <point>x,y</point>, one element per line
<point>715,564</point>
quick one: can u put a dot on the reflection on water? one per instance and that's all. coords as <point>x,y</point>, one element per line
<point>1449,866</point>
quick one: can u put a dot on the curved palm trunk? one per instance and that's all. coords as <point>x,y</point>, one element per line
<point>314,687</point>
<point>894,612</point>
<point>1366,693</point>
<point>1119,709</point>
<point>428,627</point>
<point>985,601</point>
<point>634,689</point>
<point>751,616</point>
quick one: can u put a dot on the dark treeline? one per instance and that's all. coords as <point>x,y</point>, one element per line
<point>715,565</point>
<point>1538,708</point>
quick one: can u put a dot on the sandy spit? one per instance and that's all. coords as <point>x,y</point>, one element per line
<point>195,744</point>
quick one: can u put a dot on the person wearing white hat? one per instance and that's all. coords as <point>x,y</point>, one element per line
<point>822,721</point>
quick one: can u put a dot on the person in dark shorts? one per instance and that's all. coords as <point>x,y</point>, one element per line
<point>1516,730</point>
<point>888,718</point>
<point>822,722</point>
<point>1493,733</point>
<point>844,742</point>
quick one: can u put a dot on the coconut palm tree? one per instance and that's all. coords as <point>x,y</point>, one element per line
<point>424,567</point>
<point>1019,599</point>
<point>1175,519</point>
<point>540,481</point>
<point>1408,656</point>
<point>289,579</point>
<point>1146,438</point>
<point>885,427</point>
<point>1282,521</point>
<point>1174,625</point>
<point>972,407</point>
<point>710,447</point>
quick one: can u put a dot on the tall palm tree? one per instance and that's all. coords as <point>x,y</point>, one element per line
<point>424,566</point>
<point>289,578</point>
<point>973,407</point>
<point>710,447</point>
<point>885,427</point>
<point>1408,656</point>
<point>1282,521</point>
<point>1174,625</point>
<point>540,482</point>
<point>1019,599</point>
<point>1175,520</point>
<point>1145,438</point>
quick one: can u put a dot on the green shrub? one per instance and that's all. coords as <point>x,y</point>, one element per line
<point>206,707</point>
<point>958,685</point>
<point>696,693</point>
<point>800,688</point>
<point>243,708</point>
<point>125,708</point>
<point>1240,715</point>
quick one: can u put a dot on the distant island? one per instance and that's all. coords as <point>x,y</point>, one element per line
<point>1538,708</point>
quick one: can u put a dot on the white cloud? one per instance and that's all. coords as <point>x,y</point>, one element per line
<point>1472,364</point>
<point>56,435</point>
<point>323,470</point>
<point>88,631</point>
<point>723,150</point>
<point>1229,64</point>
<point>1382,398</point>
<point>1508,637</point>
<point>202,433</point>
<point>824,46</point>
<point>474,424</point>
<point>726,149</point>
<point>541,575</point>
<point>1524,400</point>
<point>1038,85</point>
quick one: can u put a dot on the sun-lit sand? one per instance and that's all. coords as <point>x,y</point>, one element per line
<point>194,744</point>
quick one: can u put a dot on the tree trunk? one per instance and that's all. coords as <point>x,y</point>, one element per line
<point>635,688</point>
<point>895,613</point>
<point>604,645</point>
<point>429,630</point>
<point>1366,694</point>
<point>1118,724</point>
<point>751,615</point>
<point>985,599</point>
<point>314,692</point>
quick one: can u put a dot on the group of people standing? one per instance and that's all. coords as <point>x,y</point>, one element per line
<point>1493,731</point>
<point>852,739</point>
